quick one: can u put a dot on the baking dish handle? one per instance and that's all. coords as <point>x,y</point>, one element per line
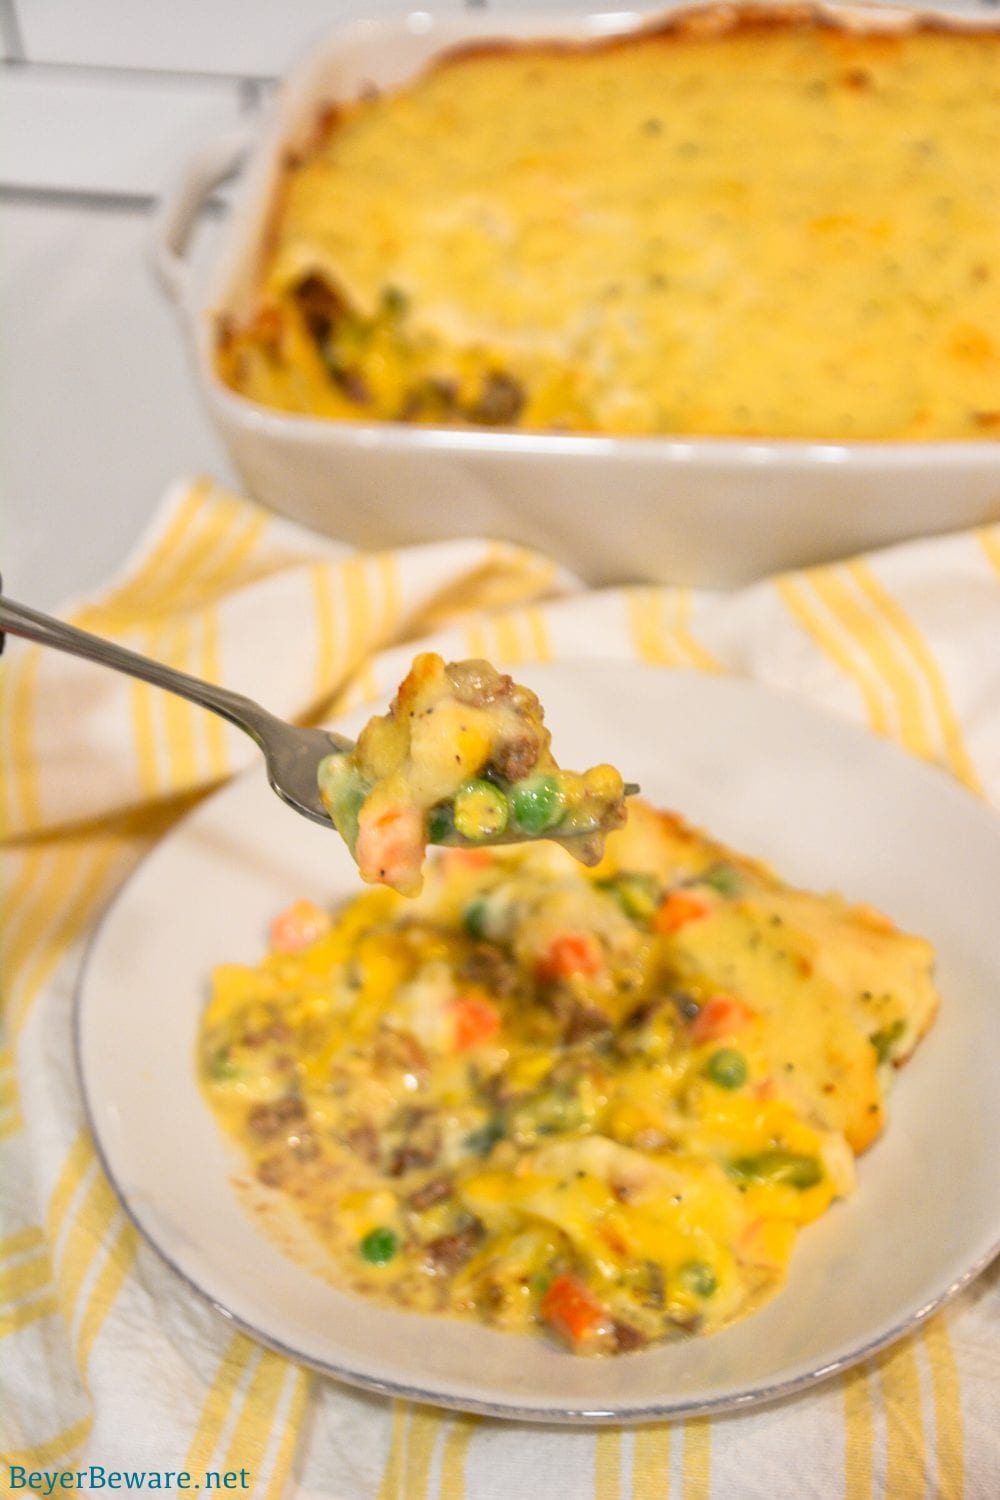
<point>181,203</point>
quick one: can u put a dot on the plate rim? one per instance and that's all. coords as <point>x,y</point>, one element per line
<point>566,1416</point>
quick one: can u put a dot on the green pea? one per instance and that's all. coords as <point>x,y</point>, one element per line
<point>697,1276</point>
<point>722,878</point>
<point>439,825</point>
<point>538,804</point>
<point>480,810</point>
<point>475,918</point>
<point>776,1165</point>
<point>379,1245</point>
<point>727,1068</point>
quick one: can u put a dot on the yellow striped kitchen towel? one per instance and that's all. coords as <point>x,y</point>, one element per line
<point>106,1358</point>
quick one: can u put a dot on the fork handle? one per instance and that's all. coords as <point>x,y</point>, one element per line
<point>32,625</point>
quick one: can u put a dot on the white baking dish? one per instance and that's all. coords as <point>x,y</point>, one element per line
<point>713,512</point>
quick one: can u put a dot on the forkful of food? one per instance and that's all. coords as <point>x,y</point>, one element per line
<point>462,759</point>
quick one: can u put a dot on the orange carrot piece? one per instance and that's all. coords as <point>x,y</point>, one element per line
<point>298,926</point>
<point>467,859</point>
<point>571,953</point>
<point>678,909</point>
<point>390,846</point>
<point>721,1015</point>
<point>476,1021</point>
<point>571,1309</point>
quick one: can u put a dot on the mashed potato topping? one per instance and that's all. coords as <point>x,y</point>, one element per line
<point>596,1104</point>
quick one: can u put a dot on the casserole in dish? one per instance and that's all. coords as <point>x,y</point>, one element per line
<point>665,431</point>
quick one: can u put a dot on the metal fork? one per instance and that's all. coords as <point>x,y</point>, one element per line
<point>292,755</point>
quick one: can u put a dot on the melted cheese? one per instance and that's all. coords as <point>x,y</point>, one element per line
<point>752,227</point>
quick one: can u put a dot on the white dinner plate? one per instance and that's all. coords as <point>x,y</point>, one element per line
<point>831,807</point>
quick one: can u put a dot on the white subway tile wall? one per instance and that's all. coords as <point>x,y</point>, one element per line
<point>248,37</point>
<point>110,133</point>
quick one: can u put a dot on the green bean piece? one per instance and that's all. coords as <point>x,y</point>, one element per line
<point>639,896</point>
<point>727,1068</point>
<point>776,1165</point>
<point>480,810</point>
<point>343,792</point>
<point>379,1245</point>
<point>347,813</point>
<point>697,1276</point>
<point>439,825</point>
<point>725,879</point>
<point>538,804</point>
<point>480,1142</point>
